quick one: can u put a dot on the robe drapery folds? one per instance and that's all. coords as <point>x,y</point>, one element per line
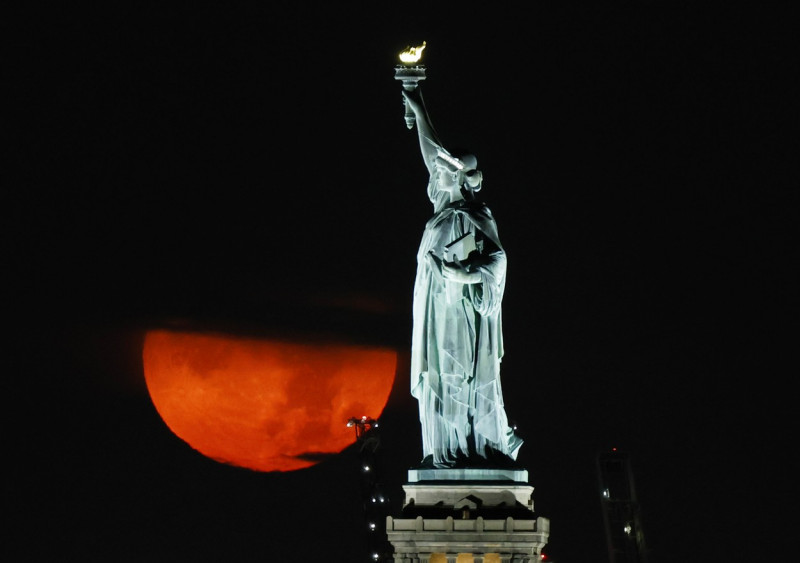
<point>457,341</point>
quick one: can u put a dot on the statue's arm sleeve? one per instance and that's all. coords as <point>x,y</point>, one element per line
<point>487,295</point>
<point>428,139</point>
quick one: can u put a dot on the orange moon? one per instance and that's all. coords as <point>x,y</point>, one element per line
<point>267,405</point>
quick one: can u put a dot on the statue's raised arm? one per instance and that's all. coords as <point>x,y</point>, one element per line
<point>429,142</point>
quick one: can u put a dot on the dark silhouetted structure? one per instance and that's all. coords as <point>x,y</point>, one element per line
<point>624,535</point>
<point>374,499</point>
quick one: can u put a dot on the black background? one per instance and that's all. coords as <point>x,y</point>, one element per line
<point>246,169</point>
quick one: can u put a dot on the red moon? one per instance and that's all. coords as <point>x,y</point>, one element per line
<point>267,405</point>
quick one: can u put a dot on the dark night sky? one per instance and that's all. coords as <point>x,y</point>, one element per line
<point>248,169</point>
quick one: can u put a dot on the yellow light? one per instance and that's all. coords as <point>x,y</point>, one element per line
<point>412,54</point>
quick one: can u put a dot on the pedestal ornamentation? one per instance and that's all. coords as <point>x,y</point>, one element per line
<point>481,513</point>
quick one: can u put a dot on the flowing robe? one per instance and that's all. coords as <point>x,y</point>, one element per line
<point>457,341</point>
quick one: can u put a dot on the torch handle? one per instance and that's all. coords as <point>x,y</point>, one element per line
<point>410,117</point>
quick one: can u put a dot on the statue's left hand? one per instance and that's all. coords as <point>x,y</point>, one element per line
<point>459,274</point>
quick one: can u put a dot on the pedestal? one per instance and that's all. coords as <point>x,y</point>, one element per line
<point>467,516</point>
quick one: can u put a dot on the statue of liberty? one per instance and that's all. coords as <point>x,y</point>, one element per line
<point>457,341</point>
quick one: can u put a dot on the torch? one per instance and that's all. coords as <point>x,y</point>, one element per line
<point>410,73</point>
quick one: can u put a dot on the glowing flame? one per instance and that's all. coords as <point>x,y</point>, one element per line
<point>412,54</point>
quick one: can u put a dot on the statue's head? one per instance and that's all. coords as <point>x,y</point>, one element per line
<point>460,170</point>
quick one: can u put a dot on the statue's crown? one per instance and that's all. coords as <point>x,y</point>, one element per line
<point>447,157</point>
